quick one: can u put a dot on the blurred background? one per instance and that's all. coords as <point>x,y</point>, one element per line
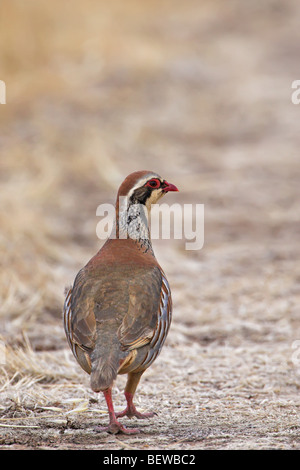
<point>197,91</point>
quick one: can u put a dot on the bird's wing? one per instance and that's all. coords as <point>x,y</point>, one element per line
<point>79,324</point>
<point>146,320</point>
<point>149,312</point>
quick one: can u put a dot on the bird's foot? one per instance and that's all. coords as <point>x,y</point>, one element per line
<point>131,412</point>
<point>116,427</point>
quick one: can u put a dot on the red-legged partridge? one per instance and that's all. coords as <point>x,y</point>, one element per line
<point>118,312</point>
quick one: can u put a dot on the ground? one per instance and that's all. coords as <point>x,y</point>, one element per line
<point>199,92</point>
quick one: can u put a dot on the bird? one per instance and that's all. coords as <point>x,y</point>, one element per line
<point>118,311</point>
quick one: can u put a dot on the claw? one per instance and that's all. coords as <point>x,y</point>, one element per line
<point>116,427</point>
<point>131,412</point>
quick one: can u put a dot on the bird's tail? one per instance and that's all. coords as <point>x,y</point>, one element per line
<point>105,358</point>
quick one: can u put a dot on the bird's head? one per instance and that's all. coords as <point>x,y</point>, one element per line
<point>145,187</point>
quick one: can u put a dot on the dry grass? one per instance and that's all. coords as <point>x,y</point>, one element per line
<point>199,92</point>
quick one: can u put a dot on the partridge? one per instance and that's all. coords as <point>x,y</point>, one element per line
<point>118,312</point>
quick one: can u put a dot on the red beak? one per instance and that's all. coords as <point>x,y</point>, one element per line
<point>169,187</point>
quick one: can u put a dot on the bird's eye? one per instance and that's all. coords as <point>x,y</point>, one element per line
<point>154,183</point>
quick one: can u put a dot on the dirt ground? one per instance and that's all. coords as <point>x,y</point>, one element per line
<point>199,92</point>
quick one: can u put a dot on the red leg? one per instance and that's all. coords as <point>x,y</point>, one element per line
<point>130,410</point>
<point>114,426</point>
